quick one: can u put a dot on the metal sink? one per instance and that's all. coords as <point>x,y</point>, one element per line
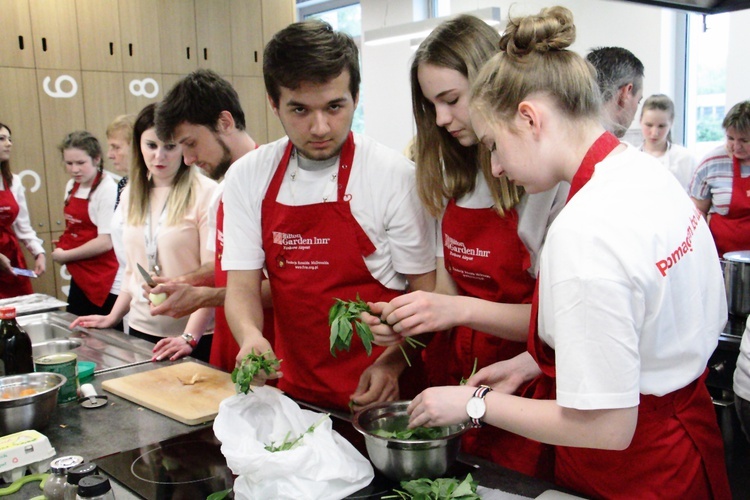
<point>110,349</point>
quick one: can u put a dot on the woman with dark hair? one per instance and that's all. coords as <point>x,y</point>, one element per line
<point>15,225</point>
<point>165,212</point>
<point>629,303</point>
<point>85,248</point>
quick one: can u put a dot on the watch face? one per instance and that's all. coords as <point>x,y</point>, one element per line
<point>475,407</point>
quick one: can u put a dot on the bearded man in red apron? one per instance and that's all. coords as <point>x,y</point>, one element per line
<point>330,214</point>
<point>721,184</point>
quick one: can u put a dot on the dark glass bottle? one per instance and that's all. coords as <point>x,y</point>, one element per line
<point>15,345</point>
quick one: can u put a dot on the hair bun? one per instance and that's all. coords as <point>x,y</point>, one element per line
<point>551,29</point>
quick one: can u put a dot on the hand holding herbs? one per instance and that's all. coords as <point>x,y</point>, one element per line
<point>438,489</point>
<point>251,366</point>
<point>344,319</point>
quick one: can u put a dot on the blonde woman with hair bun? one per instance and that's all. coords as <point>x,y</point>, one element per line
<point>630,301</point>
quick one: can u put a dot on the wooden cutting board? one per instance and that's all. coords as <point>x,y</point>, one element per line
<point>168,391</point>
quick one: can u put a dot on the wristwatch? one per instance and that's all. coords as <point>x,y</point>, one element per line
<point>188,337</point>
<point>476,406</point>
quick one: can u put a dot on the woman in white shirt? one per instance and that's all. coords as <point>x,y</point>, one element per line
<point>15,226</point>
<point>165,209</point>
<point>657,116</point>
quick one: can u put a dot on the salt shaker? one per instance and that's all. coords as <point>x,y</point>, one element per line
<point>55,485</point>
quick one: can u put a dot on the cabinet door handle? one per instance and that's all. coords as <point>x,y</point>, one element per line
<point>256,55</point>
<point>44,44</point>
<point>130,49</point>
<point>111,48</point>
<point>205,54</point>
<point>20,42</point>
<point>187,50</point>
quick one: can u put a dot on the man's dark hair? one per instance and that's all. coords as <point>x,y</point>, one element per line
<point>199,98</point>
<point>615,67</point>
<point>309,51</point>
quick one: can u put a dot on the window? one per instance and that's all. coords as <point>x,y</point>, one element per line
<point>342,15</point>
<point>706,97</point>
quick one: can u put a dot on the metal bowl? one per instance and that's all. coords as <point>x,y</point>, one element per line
<point>401,459</point>
<point>33,411</point>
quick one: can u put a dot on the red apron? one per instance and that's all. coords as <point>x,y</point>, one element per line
<point>10,284</point>
<point>95,275</point>
<point>732,231</point>
<point>486,259</point>
<point>224,347</point>
<point>677,449</point>
<point>314,254</point>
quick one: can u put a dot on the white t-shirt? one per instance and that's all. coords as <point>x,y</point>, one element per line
<point>742,372</point>
<point>680,162</point>
<point>117,226</point>
<point>102,202</point>
<point>22,225</point>
<point>384,202</point>
<point>535,214</point>
<point>631,292</point>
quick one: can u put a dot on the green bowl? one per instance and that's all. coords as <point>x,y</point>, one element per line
<point>85,371</point>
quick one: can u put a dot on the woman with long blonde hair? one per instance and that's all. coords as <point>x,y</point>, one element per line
<point>165,209</point>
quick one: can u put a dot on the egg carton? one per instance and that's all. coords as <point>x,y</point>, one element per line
<point>24,451</point>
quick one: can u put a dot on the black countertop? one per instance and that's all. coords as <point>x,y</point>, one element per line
<point>122,425</point>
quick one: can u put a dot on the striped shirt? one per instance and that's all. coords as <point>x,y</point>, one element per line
<point>713,179</point>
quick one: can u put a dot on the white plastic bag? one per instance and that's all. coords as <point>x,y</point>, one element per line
<point>323,465</point>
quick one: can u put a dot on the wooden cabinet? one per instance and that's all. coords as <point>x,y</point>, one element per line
<point>55,32</point>
<point>213,30</point>
<point>141,89</point>
<point>19,103</point>
<point>140,28</point>
<point>247,37</point>
<point>60,113</point>
<point>99,35</point>
<point>252,92</point>
<point>179,53</point>
<point>103,100</point>
<point>16,43</point>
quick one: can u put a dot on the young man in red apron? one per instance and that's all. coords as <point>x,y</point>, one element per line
<point>330,214</point>
<point>630,301</point>
<point>721,172</point>
<point>202,113</point>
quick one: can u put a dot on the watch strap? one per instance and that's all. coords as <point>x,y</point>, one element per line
<point>188,337</point>
<point>480,392</point>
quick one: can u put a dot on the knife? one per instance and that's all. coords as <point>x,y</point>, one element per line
<point>23,272</point>
<point>146,276</point>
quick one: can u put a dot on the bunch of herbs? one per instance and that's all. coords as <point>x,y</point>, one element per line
<point>437,489</point>
<point>344,319</point>
<point>417,433</point>
<point>286,444</point>
<point>251,366</point>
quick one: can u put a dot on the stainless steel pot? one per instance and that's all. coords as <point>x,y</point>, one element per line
<point>736,268</point>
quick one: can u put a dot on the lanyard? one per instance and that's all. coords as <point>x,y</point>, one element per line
<point>152,250</point>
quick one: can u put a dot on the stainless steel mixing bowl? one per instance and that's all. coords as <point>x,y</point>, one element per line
<point>406,459</point>
<point>21,412</point>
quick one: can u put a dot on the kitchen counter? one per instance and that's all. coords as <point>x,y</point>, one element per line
<point>122,425</point>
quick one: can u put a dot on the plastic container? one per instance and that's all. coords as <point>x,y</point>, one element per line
<point>24,450</point>
<point>86,371</point>
<point>74,477</point>
<point>54,488</point>
<point>95,487</point>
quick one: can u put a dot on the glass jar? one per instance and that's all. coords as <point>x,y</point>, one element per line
<point>74,477</point>
<point>95,487</point>
<point>55,485</point>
